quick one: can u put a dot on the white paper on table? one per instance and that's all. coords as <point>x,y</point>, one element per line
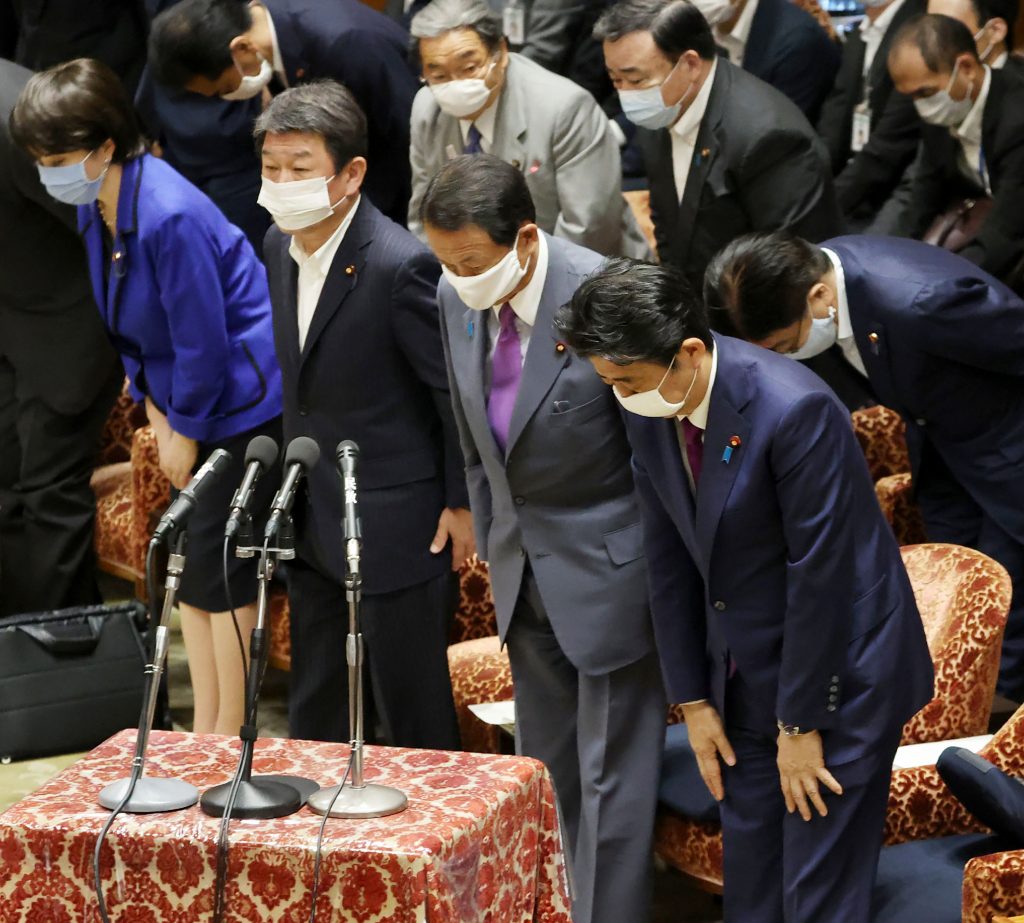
<point>503,714</point>
<point>928,754</point>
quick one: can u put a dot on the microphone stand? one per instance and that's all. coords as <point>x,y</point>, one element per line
<point>261,796</point>
<point>151,795</point>
<point>358,798</point>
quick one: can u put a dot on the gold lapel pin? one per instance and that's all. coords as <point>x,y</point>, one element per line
<point>559,347</point>
<point>705,152</point>
<point>350,270</point>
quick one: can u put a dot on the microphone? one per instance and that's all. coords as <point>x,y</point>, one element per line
<point>179,511</point>
<point>347,454</point>
<point>260,455</point>
<point>300,458</point>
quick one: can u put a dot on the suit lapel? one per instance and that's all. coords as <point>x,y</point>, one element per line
<point>510,122</point>
<point>289,42</point>
<point>679,499</point>
<point>127,223</point>
<point>469,348</point>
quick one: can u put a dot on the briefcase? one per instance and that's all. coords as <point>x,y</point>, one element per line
<point>69,678</point>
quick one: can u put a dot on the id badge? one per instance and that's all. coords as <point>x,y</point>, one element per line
<point>514,22</point>
<point>861,127</point>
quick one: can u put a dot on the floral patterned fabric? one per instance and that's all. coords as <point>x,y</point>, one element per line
<point>116,440</point>
<point>896,498</point>
<point>479,841</point>
<point>881,433</point>
<point>993,884</point>
<point>480,672</point>
<point>475,617</point>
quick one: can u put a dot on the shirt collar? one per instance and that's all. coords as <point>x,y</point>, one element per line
<point>320,260</point>
<point>527,302</point>
<point>484,124</point>
<point>277,61</point>
<point>970,128</point>
<point>689,122</point>
<point>1000,62</point>
<point>740,33</point>
<point>699,415</point>
<point>844,326</point>
<point>885,18</point>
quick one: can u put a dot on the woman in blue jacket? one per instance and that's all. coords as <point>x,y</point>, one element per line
<point>186,303</point>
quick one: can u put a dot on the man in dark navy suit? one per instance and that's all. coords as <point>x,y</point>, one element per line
<point>940,341</point>
<point>240,51</point>
<point>783,615</point>
<point>359,342</point>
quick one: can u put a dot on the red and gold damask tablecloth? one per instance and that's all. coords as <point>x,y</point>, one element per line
<point>479,842</point>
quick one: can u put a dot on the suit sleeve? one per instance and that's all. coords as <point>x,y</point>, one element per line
<point>997,246</point>
<point>588,178</point>
<point>812,450</point>
<point>677,598</point>
<point>419,160</point>
<point>417,329</point>
<point>551,31</point>
<point>183,252</point>
<point>929,193</point>
<point>807,67</point>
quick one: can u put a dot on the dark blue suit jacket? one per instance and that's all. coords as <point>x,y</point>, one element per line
<point>186,302</point>
<point>371,370</point>
<point>943,344</point>
<point>348,41</point>
<point>786,564</point>
<point>790,50</point>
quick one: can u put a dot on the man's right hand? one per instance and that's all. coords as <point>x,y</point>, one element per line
<point>708,740</point>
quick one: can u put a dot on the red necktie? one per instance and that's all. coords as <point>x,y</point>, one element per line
<point>694,437</point>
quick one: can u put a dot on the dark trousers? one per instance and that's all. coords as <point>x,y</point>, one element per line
<point>779,868</point>
<point>601,738</point>
<point>405,637</point>
<point>47,508</point>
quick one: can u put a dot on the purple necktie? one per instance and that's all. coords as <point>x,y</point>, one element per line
<point>506,370</point>
<point>693,435</point>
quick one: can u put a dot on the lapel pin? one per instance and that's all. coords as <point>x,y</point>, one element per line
<point>559,347</point>
<point>873,340</point>
<point>734,443</point>
<point>535,166</point>
<point>350,270</point>
<point>300,72</point>
<point>469,328</point>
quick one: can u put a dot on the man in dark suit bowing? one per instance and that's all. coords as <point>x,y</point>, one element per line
<point>556,517</point>
<point>782,612</point>
<point>940,341</point>
<point>356,330</point>
<point>725,152</point>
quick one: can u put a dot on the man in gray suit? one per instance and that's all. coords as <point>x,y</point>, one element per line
<point>480,98</point>
<point>556,517</point>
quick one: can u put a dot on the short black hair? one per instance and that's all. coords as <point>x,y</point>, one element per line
<point>192,38</point>
<point>1005,10</point>
<point>940,39</point>
<point>320,107</point>
<point>676,26</point>
<point>630,311</point>
<point>759,283</point>
<point>76,106</point>
<point>481,190</point>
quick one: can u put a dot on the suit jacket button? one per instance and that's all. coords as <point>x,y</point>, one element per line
<point>520,501</point>
<point>303,410</point>
<point>719,605</point>
<point>833,688</point>
<point>833,699</point>
<point>830,708</point>
<point>921,421</point>
<point>835,679</point>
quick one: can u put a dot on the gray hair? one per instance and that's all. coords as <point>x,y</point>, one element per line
<point>320,107</point>
<point>441,16</point>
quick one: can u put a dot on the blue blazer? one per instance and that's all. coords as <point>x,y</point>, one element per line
<point>786,565</point>
<point>790,50</point>
<point>943,343</point>
<point>186,303</point>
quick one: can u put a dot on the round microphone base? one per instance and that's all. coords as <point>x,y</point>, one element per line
<point>260,797</point>
<point>150,795</point>
<point>368,801</point>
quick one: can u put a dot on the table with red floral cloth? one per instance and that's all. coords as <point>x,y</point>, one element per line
<point>479,842</point>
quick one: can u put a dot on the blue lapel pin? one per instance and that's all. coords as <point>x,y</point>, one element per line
<point>469,328</point>
<point>734,443</point>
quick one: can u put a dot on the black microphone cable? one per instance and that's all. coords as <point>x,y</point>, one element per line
<point>320,839</point>
<point>225,576</point>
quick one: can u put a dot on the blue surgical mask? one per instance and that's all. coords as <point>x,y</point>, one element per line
<point>647,108</point>
<point>822,336</point>
<point>69,184</point>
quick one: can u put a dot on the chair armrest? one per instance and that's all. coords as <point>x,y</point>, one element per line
<point>151,493</point>
<point>993,884</point>
<point>921,807</point>
<point>896,498</point>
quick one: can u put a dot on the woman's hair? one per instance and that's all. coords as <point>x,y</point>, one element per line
<point>76,106</point>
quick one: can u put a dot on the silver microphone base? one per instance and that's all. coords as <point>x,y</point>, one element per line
<point>151,795</point>
<point>369,801</point>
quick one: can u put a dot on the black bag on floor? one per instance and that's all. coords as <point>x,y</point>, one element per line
<point>69,678</point>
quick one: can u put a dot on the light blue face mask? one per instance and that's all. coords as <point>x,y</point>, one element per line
<point>822,336</point>
<point>647,108</point>
<point>69,184</point>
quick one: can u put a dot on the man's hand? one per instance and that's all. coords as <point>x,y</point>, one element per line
<point>457,525</point>
<point>177,458</point>
<point>708,740</point>
<point>801,768</point>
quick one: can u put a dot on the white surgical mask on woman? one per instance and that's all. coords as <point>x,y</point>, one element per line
<point>822,336</point>
<point>70,184</point>
<point>651,403</point>
<point>251,86</point>
<point>490,287</point>
<point>941,109</point>
<point>298,204</point>
<point>461,98</point>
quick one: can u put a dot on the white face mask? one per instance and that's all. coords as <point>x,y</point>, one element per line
<point>719,11</point>
<point>493,285</point>
<point>941,109</point>
<point>251,86</point>
<point>988,50</point>
<point>462,98</point>
<point>822,336</point>
<point>646,108</point>
<point>299,204</point>
<point>651,403</point>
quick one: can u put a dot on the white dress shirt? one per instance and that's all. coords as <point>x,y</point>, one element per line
<point>844,335</point>
<point>484,125</point>
<point>972,164</point>
<point>735,41</point>
<point>277,62</point>
<point>872,33</point>
<point>524,305</point>
<point>684,133</point>
<point>699,418</point>
<point>313,269</point>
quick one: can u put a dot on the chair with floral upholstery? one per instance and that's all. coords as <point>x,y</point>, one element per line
<point>964,599</point>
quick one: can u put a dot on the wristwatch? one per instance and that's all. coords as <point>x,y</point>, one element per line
<point>793,730</point>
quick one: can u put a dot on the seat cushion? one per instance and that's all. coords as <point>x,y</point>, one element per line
<point>681,788</point>
<point>922,880</point>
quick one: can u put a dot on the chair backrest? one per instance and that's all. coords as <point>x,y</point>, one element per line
<point>881,433</point>
<point>1006,748</point>
<point>116,440</point>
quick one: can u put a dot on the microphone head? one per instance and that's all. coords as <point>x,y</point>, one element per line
<point>261,449</point>
<point>218,461</point>
<point>347,449</point>
<point>304,451</point>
